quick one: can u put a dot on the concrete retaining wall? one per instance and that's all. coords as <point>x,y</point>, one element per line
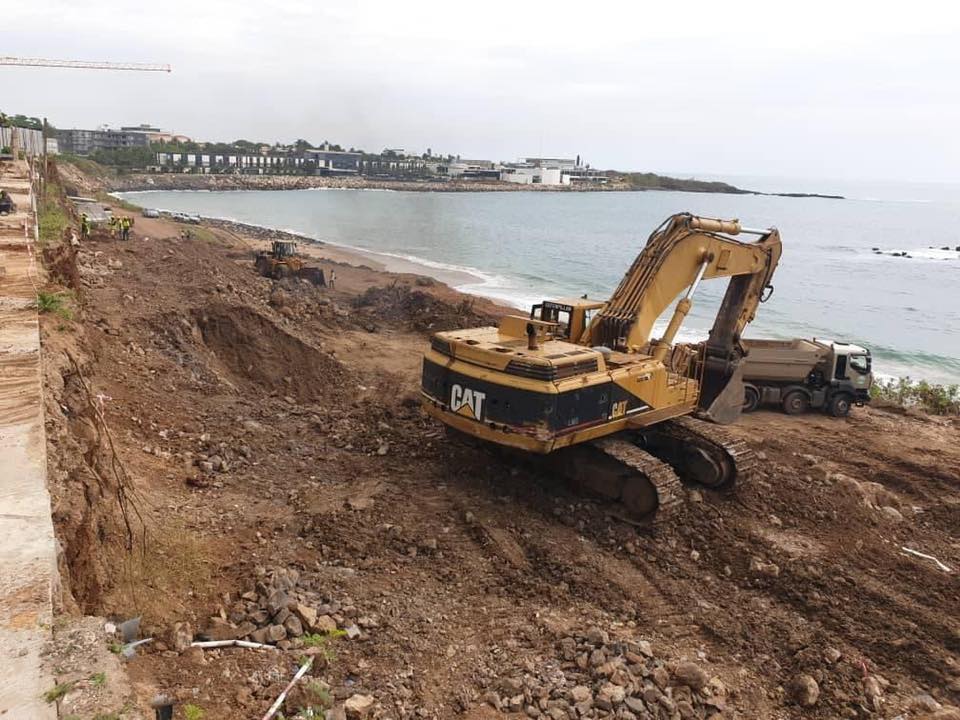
<point>28,569</point>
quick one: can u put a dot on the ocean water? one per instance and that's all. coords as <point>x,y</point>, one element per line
<point>523,246</point>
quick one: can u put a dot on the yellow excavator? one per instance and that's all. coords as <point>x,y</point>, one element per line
<point>582,382</point>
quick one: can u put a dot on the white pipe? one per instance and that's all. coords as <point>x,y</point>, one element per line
<point>755,231</point>
<point>283,696</point>
<point>945,568</point>
<point>207,644</point>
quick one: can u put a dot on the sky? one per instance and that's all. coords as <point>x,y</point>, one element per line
<point>846,90</point>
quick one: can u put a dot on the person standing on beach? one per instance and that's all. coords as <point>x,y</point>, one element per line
<point>333,279</point>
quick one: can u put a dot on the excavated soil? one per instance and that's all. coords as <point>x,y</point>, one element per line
<point>266,428</point>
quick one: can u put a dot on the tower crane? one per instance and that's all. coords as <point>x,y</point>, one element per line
<point>82,64</point>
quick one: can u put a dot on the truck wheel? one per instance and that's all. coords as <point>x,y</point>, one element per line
<point>796,402</point>
<point>839,405</point>
<point>751,398</point>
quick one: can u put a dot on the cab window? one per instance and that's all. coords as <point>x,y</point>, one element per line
<point>860,363</point>
<point>556,315</point>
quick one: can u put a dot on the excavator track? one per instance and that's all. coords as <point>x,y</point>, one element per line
<point>702,452</point>
<point>654,471</point>
<point>619,470</point>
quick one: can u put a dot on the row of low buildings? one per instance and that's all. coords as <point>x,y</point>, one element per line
<point>527,171</point>
<point>321,162</point>
<point>279,160</point>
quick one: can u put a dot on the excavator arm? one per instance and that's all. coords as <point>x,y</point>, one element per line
<point>679,254</point>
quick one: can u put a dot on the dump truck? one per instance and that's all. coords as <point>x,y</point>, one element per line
<point>282,261</point>
<point>584,385</point>
<point>801,374</point>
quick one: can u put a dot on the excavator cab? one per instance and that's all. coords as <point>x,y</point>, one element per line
<point>571,315</point>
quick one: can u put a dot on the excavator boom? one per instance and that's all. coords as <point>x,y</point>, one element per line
<point>678,255</point>
<point>682,251</point>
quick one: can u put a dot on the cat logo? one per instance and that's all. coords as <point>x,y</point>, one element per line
<point>467,402</point>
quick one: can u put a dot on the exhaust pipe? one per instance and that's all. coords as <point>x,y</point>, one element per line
<point>531,337</point>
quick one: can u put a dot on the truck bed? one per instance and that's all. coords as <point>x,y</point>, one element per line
<point>782,360</point>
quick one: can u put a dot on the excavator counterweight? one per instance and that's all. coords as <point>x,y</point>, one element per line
<point>601,397</point>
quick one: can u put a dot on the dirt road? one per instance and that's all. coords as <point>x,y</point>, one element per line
<point>266,429</point>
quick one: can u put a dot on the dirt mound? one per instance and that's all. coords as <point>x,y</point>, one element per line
<point>256,349</point>
<point>419,310</point>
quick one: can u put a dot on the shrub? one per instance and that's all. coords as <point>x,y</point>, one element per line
<point>51,216</point>
<point>922,395</point>
<point>54,303</point>
<point>58,691</point>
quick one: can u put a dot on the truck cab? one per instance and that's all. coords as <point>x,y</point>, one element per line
<point>852,369</point>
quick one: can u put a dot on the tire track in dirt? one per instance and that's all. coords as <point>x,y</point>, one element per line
<point>842,602</point>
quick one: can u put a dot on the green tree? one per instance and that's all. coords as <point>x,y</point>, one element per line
<point>126,158</point>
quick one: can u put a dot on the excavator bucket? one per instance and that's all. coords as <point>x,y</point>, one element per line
<point>721,397</point>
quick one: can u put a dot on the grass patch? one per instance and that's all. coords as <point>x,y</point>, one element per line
<point>318,695</point>
<point>99,679</point>
<point>86,165</point>
<point>205,235</point>
<point>323,641</point>
<point>57,692</point>
<point>173,559</point>
<point>919,394</point>
<point>52,218</point>
<point>54,303</point>
<point>107,198</point>
<point>193,712</point>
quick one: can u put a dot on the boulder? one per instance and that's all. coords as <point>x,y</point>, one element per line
<point>804,690</point>
<point>277,600</point>
<point>276,633</point>
<point>181,635</point>
<point>325,624</point>
<point>307,615</point>
<point>358,706</point>
<point>580,693</point>
<point>293,626</point>
<point>691,675</point>
<point>612,694</point>
<point>758,567</point>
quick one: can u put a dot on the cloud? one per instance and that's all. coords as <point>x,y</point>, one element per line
<point>813,89</point>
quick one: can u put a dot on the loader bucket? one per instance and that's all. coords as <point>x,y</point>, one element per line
<point>314,275</point>
<point>721,395</point>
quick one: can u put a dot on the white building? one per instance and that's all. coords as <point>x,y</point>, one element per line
<point>550,171</point>
<point>528,175</point>
<point>473,170</point>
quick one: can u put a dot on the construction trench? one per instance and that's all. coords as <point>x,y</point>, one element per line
<point>232,457</point>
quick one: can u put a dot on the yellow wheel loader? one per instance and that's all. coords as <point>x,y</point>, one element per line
<point>283,262</point>
<point>582,382</point>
